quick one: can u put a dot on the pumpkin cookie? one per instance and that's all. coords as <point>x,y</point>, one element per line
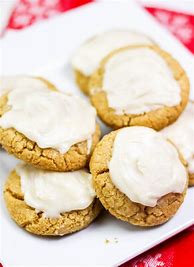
<point>9,83</point>
<point>89,55</point>
<point>138,176</point>
<point>181,133</point>
<point>50,130</point>
<point>139,86</point>
<point>40,202</point>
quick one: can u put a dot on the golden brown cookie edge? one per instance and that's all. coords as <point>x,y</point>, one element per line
<point>156,119</point>
<point>117,203</point>
<point>21,147</point>
<point>27,218</point>
<point>82,81</point>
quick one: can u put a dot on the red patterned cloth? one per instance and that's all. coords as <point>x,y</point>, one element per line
<point>180,24</point>
<point>175,252</point>
<point>178,251</point>
<point>28,12</point>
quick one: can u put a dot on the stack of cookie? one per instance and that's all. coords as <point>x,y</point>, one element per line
<point>140,175</point>
<point>54,134</point>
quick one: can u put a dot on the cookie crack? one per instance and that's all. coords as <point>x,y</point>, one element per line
<point>16,143</point>
<point>14,195</point>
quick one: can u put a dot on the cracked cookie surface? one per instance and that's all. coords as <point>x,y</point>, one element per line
<point>35,223</point>
<point>117,203</point>
<point>20,146</point>
<point>3,99</point>
<point>75,158</point>
<point>156,119</point>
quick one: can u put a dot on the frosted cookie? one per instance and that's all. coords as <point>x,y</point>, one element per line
<point>50,203</point>
<point>9,83</point>
<point>89,55</point>
<point>140,85</point>
<point>181,133</point>
<point>50,130</point>
<point>138,176</point>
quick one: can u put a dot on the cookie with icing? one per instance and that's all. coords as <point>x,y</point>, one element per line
<point>139,86</point>
<point>88,56</point>
<point>139,176</point>
<point>50,130</point>
<point>51,203</point>
<point>9,83</point>
<point>181,133</point>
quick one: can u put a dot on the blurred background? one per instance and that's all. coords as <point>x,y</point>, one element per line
<point>17,14</point>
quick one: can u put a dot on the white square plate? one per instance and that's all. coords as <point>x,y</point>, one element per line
<point>45,49</point>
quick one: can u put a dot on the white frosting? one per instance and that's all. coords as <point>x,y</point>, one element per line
<point>181,133</point>
<point>90,54</point>
<point>51,119</point>
<point>145,166</point>
<point>9,83</point>
<point>139,80</point>
<point>54,193</point>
